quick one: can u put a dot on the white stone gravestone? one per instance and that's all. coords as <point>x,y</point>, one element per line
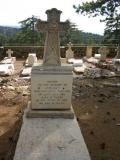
<point>51,83</point>
<point>43,139</point>
<point>31,60</point>
<point>9,52</point>
<point>10,58</point>
<point>69,52</point>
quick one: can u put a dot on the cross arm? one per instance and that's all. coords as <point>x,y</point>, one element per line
<point>41,26</point>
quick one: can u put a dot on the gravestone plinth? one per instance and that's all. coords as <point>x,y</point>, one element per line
<point>51,92</point>
<point>52,87</point>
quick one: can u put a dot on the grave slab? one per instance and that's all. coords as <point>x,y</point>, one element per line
<point>80,69</point>
<point>6,69</point>
<point>51,139</point>
<point>31,60</point>
<point>7,60</point>
<point>26,71</point>
<point>75,62</point>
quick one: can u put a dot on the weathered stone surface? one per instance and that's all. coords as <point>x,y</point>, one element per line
<point>75,62</point>
<point>80,69</point>
<point>52,44</point>
<point>97,73</point>
<point>6,69</point>
<point>66,114</point>
<point>53,139</point>
<point>26,71</point>
<point>92,60</point>
<point>9,52</point>
<point>69,52</point>
<point>51,83</point>
<point>7,60</point>
<point>31,60</point>
<point>51,87</point>
<point>92,72</point>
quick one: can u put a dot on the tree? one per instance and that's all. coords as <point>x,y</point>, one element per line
<point>28,35</point>
<point>3,39</point>
<point>28,29</point>
<point>110,9</point>
<point>78,37</point>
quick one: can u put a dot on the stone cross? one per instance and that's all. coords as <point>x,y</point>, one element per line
<point>9,52</point>
<point>70,45</point>
<point>69,52</point>
<point>52,27</point>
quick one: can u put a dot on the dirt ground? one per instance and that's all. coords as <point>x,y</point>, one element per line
<point>96,105</point>
<point>98,113</point>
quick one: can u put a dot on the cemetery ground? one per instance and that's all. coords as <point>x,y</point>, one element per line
<point>96,104</point>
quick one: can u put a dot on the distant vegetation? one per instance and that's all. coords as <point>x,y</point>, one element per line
<point>27,35</point>
<point>110,12</point>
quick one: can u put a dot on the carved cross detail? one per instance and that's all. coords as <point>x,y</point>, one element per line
<point>52,27</point>
<point>9,52</point>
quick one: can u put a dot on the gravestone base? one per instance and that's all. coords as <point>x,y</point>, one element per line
<point>67,114</point>
<point>51,92</point>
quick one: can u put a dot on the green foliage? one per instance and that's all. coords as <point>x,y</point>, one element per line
<point>3,39</point>
<point>110,9</point>
<point>78,37</point>
<point>27,34</point>
<point>104,157</point>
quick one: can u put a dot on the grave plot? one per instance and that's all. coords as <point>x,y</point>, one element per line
<point>31,60</point>
<point>93,67</point>
<point>6,69</point>
<point>7,64</point>
<point>89,58</point>
<point>50,105</point>
<point>96,105</point>
<point>78,65</point>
